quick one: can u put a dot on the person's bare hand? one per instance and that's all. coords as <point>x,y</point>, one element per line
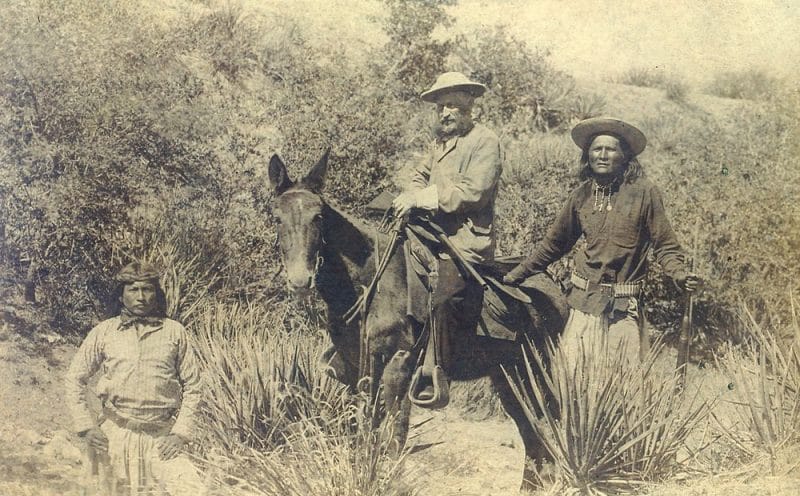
<point>95,438</point>
<point>691,283</point>
<point>404,203</point>
<point>170,446</point>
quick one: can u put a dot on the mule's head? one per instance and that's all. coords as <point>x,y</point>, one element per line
<point>298,210</point>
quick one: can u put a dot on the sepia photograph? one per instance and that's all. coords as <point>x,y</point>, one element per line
<point>399,247</point>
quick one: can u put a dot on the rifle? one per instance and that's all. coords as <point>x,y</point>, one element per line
<point>489,284</point>
<point>687,332</point>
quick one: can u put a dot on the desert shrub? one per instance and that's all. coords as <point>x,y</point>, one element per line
<point>749,84</point>
<point>414,56</point>
<point>539,173</point>
<point>726,183</point>
<point>85,137</point>
<point>609,426</point>
<point>120,125</point>
<point>527,93</point>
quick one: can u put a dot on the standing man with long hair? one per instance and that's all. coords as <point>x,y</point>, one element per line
<point>149,392</point>
<point>621,215</point>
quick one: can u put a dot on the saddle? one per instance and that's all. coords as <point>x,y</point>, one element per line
<point>504,312</point>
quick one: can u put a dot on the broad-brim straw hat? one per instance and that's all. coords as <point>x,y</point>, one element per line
<point>586,130</point>
<point>452,81</point>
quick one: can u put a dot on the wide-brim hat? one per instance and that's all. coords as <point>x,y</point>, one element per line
<point>452,81</point>
<point>585,131</point>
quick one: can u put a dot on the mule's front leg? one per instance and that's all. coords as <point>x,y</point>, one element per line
<point>396,378</point>
<point>535,452</point>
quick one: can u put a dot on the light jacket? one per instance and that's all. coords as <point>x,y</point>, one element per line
<point>458,182</point>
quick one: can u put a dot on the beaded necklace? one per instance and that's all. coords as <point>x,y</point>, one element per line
<point>602,196</point>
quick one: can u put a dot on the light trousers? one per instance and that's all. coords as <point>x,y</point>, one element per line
<point>133,466</point>
<point>621,333</point>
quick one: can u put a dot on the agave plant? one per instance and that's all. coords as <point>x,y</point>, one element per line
<point>766,387</point>
<point>608,426</point>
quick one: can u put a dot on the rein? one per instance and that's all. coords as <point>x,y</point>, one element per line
<point>362,304</point>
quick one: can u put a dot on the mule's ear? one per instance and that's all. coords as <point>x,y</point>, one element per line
<point>278,177</point>
<point>315,179</point>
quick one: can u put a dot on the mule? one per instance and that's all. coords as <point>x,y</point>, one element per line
<point>327,250</point>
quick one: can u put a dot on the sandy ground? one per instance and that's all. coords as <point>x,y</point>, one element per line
<point>38,454</point>
<point>452,452</point>
<point>466,457</point>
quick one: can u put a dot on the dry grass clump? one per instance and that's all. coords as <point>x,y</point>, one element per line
<point>749,84</point>
<point>676,90</point>
<point>609,427</point>
<point>765,374</point>
<point>644,77</point>
<point>675,87</point>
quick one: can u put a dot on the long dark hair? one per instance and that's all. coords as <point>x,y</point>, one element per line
<point>632,168</point>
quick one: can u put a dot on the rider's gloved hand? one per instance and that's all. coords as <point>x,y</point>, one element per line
<point>425,198</point>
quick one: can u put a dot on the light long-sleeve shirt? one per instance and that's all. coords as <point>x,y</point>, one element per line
<point>458,182</point>
<point>617,240</point>
<point>149,374</point>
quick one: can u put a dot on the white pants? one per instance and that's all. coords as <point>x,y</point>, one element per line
<point>585,333</point>
<point>134,466</point>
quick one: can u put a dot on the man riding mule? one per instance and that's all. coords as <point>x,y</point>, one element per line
<point>457,185</point>
<point>325,249</point>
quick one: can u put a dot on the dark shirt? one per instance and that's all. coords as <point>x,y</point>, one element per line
<point>617,240</point>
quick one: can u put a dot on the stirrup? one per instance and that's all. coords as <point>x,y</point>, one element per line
<point>441,389</point>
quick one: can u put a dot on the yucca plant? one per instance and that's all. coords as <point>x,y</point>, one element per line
<point>275,423</point>
<point>608,425</point>
<point>350,460</point>
<point>765,376</point>
<point>262,378</point>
